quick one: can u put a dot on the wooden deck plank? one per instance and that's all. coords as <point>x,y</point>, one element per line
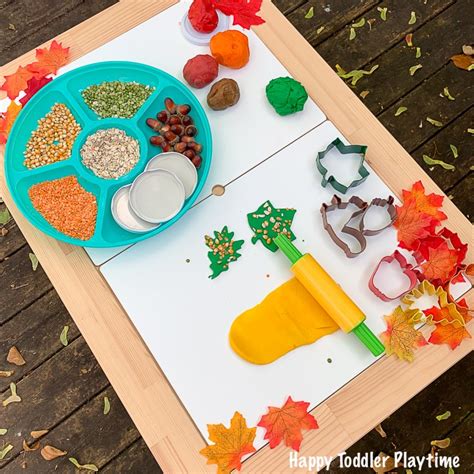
<point>332,15</point>
<point>370,43</point>
<point>438,147</point>
<point>35,332</point>
<point>463,196</point>
<point>135,459</point>
<point>392,80</point>
<point>21,286</point>
<point>12,240</point>
<point>77,378</point>
<point>424,101</point>
<point>26,24</point>
<point>287,6</point>
<point>87,435</point>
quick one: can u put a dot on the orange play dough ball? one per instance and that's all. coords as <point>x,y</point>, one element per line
<point>230,48</point>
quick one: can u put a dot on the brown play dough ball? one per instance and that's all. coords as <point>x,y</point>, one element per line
<point>224,93</point>
<point>200,70</point>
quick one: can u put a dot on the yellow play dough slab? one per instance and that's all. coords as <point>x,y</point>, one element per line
<point>288,317</point>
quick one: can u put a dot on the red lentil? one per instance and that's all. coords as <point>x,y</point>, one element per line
<point>67,206</point>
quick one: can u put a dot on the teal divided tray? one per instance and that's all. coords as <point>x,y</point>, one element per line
<point>67,89</point>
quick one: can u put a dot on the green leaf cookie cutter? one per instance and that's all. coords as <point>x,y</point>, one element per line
<point>343,150</point>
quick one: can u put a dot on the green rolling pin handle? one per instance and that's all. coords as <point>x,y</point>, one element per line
<point>365,335</point>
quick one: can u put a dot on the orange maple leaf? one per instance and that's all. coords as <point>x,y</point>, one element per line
<point>401,337</point>
<point>16,82</point>
<point>427,204</point>
<point>441,263</point>
<point>6,122</point>
<point>286,423</point>
<point>231,444</point>
<point>49,60</point>
<point>412,225</point>
<point>450,328</point>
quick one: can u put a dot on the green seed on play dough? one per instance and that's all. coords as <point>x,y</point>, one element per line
<point>286,95</point>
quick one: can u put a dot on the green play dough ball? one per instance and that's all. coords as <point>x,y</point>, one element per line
<point>286,95</point>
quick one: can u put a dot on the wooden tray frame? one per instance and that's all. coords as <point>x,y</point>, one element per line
<point>155,408</point>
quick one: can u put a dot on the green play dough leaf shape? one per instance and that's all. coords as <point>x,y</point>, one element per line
<point>286,95</point>
<point>430,161</point>
<point>63,336</point>
<point>224,250</point>
<point>268,221</point>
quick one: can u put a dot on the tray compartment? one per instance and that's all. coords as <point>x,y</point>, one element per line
<point>106,72</point>
<point>28,122</point>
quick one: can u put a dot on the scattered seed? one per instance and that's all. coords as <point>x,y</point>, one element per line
<point>309,13</point>
<point>444,416</point>
<point>106,405</point>
<point>63,336</point>
<point>434,122</point>
<point>413,69</point>
<point>412,19</point>
<point>34,261</point>
<point>400,111</point>
<point>5,451</point>
<point>383,12</point>
<point>13,398</point>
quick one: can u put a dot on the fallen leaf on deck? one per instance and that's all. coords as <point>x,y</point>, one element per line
<point>89,467</point>
<point>356,74</point>
<point>287,423</point>
<point>383,12</point>
<point>441,443</point>
<point>359,24</point>
<point>106,405</point>
<point>14,356</point>
<point>380,430</point>
<point>50,452</point>
<point>434,122</point>
<point>34,261</point>
<point>5,216</point>
<point>364,94</point>
<point>400,111</point>
<point>418,52</point>
<point>13,398</point>
<point>412,19</point>
<point>309,13</point>
<point>49,60</point>
<point>320,30</point>
<point>34,447</point>
<point>409,39</point>
<point>352,34</point>
<point>443,416</point>
<point>37,434</point>
<point>6,122</point>
<point>447,94</point>
<point>454,150</point>
<point>401,337</point>
<point>387,463</point>
<point>16,82</point>
<point>3,431</point>
<point>230,444</point>
<point>6,373</point>
<point>63,336</point>
<point>462,61</point>
<point>5,451</point>
<point>415,68</point>
<point>432,162</point>
<point>467,49</point>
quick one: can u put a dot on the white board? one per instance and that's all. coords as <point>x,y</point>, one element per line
<point>184,317</point>
<point>243,135</point>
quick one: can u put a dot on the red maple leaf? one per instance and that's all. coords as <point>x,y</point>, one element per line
<point>440,264</point>
<point>286,423</point>
<point>33,86</point>
<point>16,82</point>
<point>243,11</point>
<point>412,225</point>
<point>428,204</point>
<point>450,329</point>
<point>49,60</point>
